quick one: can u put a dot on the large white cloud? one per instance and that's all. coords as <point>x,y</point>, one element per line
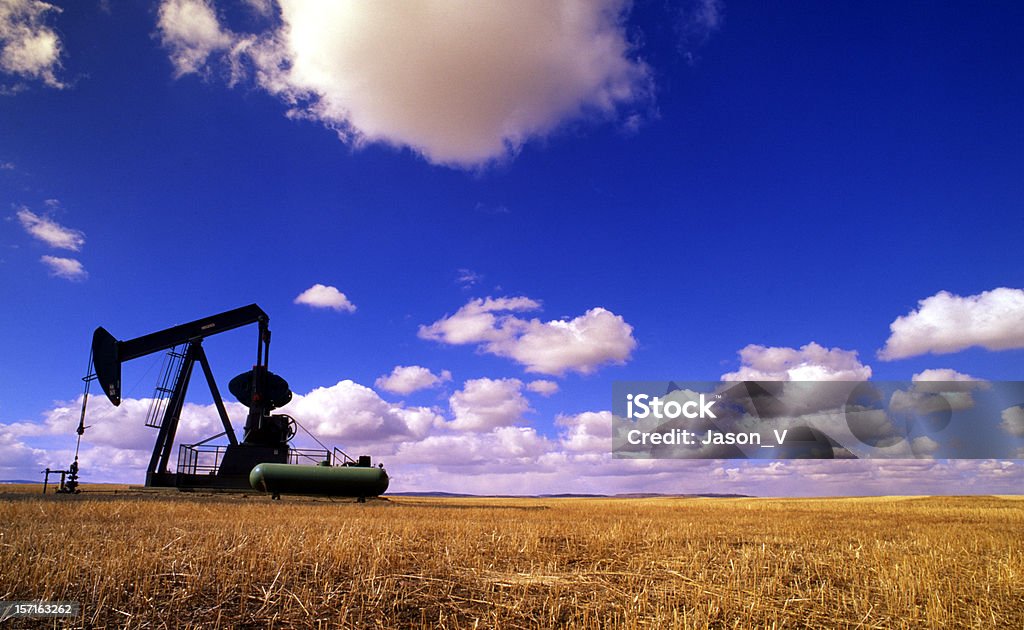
<point>406,379</point>
<point>946,323</point>
<point>461,82</point>
<point>811,362</point>
<point>29,47</point>
<point>582,344</point>
<point>484,404</point>
<point>355,414</point>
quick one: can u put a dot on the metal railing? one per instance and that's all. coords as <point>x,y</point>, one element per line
<point>200,459</point>
<point>205,459</point>
<point>308,456</point>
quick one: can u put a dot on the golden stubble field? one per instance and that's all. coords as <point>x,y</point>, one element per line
<point>179,560</point>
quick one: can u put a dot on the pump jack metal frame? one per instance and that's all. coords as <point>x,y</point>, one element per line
<point>259,444</point>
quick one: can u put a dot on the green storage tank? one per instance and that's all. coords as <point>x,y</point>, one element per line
<point>325,481</point>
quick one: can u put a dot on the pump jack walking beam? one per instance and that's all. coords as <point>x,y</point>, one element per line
<point>109,353</point>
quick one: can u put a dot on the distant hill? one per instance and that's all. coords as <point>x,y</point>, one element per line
<point>430,494</point>
<point>457,495</point>
<point>703,495</point>
<point>634,495</point>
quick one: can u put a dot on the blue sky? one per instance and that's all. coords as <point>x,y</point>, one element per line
<point>567,192</point>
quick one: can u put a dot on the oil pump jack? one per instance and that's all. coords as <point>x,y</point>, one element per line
<point>263,458</point>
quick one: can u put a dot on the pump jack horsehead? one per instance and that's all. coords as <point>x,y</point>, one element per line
<point>263,459</point>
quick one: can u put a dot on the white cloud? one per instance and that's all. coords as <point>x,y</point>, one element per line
<point>811,362</point>
<point>504,449</point>
<point>946,323</point>
<point>124,426</point>
<point>321,296</point>
<point>484,404</point>
<point>543,387</point>
<point>67,268</point>
<point>924,446</point>
<point>1013,421</point>
<point>406,379</point>
<point>190,31</point>
<point>18,459</point>
<point>590,431</point>
<point>942,375</point>
<point>357,415</point>
<point>938,391</point>
<point>50,232</point>
<point>476,322</point>
<point>29,48</point>
<point>460,82</point>
<point>582,344</point>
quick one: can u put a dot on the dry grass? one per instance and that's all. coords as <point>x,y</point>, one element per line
<point>137,560</point>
